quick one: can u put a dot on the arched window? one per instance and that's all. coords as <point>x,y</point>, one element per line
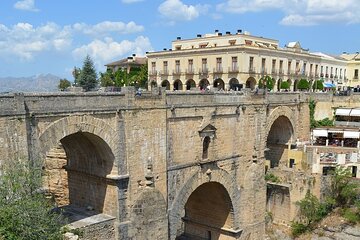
<point>206,144</point>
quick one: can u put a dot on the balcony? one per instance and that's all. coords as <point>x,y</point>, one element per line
<point>153,72</point>
<point>331,75</point>
<point>336,76</point>
<point>177,72</point>
<point>203,71</point>
<point>316,75</point>
<point>218,69</point>
<point>281,72</point>
<point>233,69</point>
<point>164,72</point>
<point>189,71</point>
<point>356,77</point>
<point>326,75</point>
<point>274,71</point>
<point>251,70</point>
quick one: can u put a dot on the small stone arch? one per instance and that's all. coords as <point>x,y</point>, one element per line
<point>178,85</point>
<point>276,113</point>
<point>233,83</point>
<point>219,84</point>
<point>190,84</point>
<point>165,84</point>
<point>250,83</point>
<point>153,84</point>
<point>203,83</point>
<point>204,176</point>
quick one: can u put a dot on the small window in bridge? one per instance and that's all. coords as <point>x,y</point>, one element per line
<point>206,147</point>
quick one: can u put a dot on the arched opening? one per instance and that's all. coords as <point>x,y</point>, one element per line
<point>206,143</point>
<point>203,84</point>
<point>234,84</point>
<point>219,84</point>
<point>250,83</point>
<point>178,85</point>
<point>208,212</point>
<point>75,174</point>
<point>165,84</point>
<point>295,84</point>
<point>190,84</point>
<point>290,82</point>
<point>153,84</point>
<point>311,82</point>
<point>280,135</point>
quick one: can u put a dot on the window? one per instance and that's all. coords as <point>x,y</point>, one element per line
<point>289,66</point>
<point>291,163</point>
<point>251,64</point>
<point>165,66</point>
<point>232,42</point>
<point>311,69</point>
<point>234,64</point>
<point>356,73</point>
<point>281,66</point>
<point>206,144</point>
<point>177,66</point>
<point>204,64</point>
<point>297,67</point>
<point>190,66</point>
<point>316,69</point>
<point>153,67</point>
<point>218,64</point>
<point>273,65</point>
<point>304,68</point>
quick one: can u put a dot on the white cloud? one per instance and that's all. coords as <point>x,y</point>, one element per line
<point>24,41</point>
<point>131,1</point>
<point>107,26</point>
<point>103,51</point>
<point>176,10</point>
<point>27,5</point>
<point>300,12</point>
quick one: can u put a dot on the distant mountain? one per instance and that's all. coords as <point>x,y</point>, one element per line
<point>38,83</point>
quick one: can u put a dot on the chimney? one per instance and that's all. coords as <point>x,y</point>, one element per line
<point>239,31</point>
<point>199,35</point>
<point>164,49</point>
<point>146,52</point>
<point>219,34</point>
<point>216,31</point>
<point>170,49</point>
<point>228,33</point>
<point>178,38</point>
<point>134,55</point>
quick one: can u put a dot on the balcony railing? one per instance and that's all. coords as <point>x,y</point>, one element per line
<point>274,71</point>
<point>233,69</point>
<point>327,75</point>
<point>153,72</point>
<point>263,71</point>
<point>356,77</point>
<point>281,71</point>
<point>321,75</point>
<point>176,72</point>
<point>251,70</point>
<point>316,75</point>
<point>164,72</point>
<point>189,71</point>
<point>203,70</point>
<point>218,69</point>
<point>331,75</point>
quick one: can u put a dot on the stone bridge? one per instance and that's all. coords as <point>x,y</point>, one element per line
<point>164,165</point>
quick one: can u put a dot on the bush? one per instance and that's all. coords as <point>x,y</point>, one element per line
<point>318,85</point>
<point>303,84</point>
<point>25,213</point>
<point>298,228</point>
<point>285,85</point>
<point>351,215</point>
<point>269,177</point>
<point>269,82</point>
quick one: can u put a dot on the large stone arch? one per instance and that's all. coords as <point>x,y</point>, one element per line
<point>177,210</point>
<point>88,145</point>
<point>280,132</point>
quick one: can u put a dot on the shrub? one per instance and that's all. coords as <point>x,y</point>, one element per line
<point>298,228</point>
<point>285,85</point>
<point>318,85</point>
<point>269,177</point>
<point>351,215</point>
<point>303,84</point>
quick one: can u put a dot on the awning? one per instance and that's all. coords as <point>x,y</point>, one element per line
<point>355,112</point>
<point>335,131</point>
<point>351,134</point>
<point>320,133</point>
<point>329,85</point>
<point>343,112</point>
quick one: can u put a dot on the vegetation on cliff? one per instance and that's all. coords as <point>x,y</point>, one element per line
<point>25,212</point>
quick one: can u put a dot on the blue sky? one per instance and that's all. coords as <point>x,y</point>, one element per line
<point>53,36</point>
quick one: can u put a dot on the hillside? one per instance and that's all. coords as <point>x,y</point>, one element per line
<point>38,83</point>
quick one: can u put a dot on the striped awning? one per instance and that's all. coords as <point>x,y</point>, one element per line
<point>320,132</point>
<point>343,112</point>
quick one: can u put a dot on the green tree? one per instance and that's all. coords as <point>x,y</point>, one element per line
<point>269,83</point>
<point>64,84</point>
<point>107,79</point>
<point>303,84</point>
<point>76,74</point>
<point>284,85</point>
<point>318,85</point>
<point>25,213</point>
<point>88,77</point>
<point>141,76</point>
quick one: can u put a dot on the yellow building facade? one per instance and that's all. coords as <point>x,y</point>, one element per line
<point>239,60</point>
